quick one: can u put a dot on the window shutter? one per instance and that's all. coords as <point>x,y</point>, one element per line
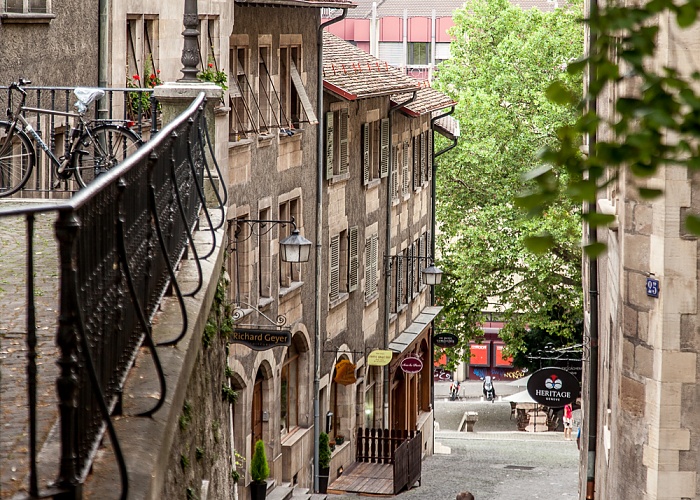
<point>399,282</point>
<point>430,154</point>
<point>421,262</point>
<point>384,152</point>
<point>353,264</point>
<point>365,153</point>
<point>335,267</point>
<point>375,248</point>
<point>409,272</point>
<point>368,268</point>
<point>329,145</point>
<point>416,159</point>
<point>423,159</point>
<point>405,175</point>
<point>343,169</point>
<point>395,174</point>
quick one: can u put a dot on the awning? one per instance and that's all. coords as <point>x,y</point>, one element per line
<point>301,91</point>
<point>415,329</point>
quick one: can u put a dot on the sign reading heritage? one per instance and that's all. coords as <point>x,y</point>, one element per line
<point>553,387</point>
<point>445,340</point>
<point>261,340</point>
<point>379,357</point>
<point>411,364</point>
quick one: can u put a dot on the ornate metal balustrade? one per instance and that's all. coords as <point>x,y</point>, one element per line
<point>134,106</point>
<point>118,243</point>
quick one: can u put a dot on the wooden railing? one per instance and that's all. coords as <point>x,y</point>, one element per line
<point>378,445</point>
<point>407,462</point>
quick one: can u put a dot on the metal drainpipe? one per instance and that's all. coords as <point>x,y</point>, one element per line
<point>319,235</point>
<point>593,294</point>
<point>387,254</point>
<point>103,53</point>
<point>432,241</point>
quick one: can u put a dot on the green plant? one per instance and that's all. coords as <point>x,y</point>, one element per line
<point>235,476</point>
<point>184,462</point>
<point>324,451</point>
<point>213,75</point>
<point>259,469</point>
<point>199,453</point>
<point>186,416</point>
<point>228,394</point>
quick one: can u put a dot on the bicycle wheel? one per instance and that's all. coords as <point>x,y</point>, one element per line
<point>16,160</point>
<point>101,148</point>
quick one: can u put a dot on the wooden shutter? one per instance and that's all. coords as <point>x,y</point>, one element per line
<point>430,154</point>
<point>329,145</point>
<point>353,268</point>
<point>335,268</point>
<point>416,163</point>
<point>409,273</point>
<point>368,267</point>
<point>423,159</point>
<point>384,149</point>
<point>421,262</point>
<point>395,174</point>
<point>399,282</point>
<point>344,160</point>
<point>375,248</point>
<point>405,173</point>
<point>365,154</point>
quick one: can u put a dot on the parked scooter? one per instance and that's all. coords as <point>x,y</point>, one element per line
<point>488,389</point>
<point>454,390</point>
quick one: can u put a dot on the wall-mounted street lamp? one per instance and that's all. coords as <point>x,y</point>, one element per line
<point>432,275</point>
<point>294,248</point>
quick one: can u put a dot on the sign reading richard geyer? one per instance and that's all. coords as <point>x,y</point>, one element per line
<point>261,340</point>
<point>553,387</point>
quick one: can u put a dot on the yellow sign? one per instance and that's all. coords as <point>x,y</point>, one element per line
<point>379,357</point>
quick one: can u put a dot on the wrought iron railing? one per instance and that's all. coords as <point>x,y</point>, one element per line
<point>135,107</point>
<point>118,243</point>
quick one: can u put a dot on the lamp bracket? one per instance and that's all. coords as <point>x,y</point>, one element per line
<point>240,312</point>
<point>257,227</point>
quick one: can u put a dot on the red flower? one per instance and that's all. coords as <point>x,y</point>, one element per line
<point>136,77</point>
<point>211,65</point>
<point>158,71</point>
<point>153,77</point>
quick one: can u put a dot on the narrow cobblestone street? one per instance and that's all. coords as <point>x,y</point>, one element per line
<point>495,462</point>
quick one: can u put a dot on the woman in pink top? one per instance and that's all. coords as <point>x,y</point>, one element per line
<point>567,422</point>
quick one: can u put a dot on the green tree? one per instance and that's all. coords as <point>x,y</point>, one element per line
<point>503,60</point>
<point>259,469</point>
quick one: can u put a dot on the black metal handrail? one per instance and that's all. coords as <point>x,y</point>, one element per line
<point>119,241</point>
<point>135,107</point>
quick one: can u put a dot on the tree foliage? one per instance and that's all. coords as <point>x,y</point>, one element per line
<point>259,468</point>
<point>653,117</point>
<point>503,61</point>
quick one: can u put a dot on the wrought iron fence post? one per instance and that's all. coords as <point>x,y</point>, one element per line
<point>67,228</point>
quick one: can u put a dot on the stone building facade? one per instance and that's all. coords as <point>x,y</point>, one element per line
<point>648,430</point>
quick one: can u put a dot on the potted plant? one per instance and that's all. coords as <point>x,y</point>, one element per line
<point>259,471</point>
<point>339,439</point>
<point>324,462</point>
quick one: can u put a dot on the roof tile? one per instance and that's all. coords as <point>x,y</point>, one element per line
<point>427,99</point>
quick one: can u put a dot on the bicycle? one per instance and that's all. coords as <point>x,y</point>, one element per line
<point>95,147</point>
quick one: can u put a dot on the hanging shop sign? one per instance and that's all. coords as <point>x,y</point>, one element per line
<point>411,364</point>
<point>345,373</point>
<point>553,387</point>
<point>261,340</point>
<point>379,357</point>
<point>445,340</point>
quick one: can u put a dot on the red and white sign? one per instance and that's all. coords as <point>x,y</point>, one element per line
<point>411,364</point>
<point>500,360</point>
<point>479,354</point>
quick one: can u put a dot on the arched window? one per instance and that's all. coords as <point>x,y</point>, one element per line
<point>289,407</point>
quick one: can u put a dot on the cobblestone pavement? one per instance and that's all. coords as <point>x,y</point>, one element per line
<point>14,413</point>
<point>496,462</point>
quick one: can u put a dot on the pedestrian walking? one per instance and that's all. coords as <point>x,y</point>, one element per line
<point>567,422</point>
<point>465,495</point>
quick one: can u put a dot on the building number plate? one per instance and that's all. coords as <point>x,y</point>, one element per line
<point>652,287</point>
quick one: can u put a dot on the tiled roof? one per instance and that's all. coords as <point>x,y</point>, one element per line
<point>354,74</point>
<point>448,126</point>
<point>333,4</point>
<point>427,99</point>
<point>442,8</point>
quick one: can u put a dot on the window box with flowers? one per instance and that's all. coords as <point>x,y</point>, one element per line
<point>139,101</point>
<point>213,75</point>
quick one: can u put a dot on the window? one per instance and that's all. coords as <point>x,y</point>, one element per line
<point>371,251</point>
<point>264,98</point>
<point>343,263</point>
<point>334,258</point>
<point>240,117</point>
<point>370,394</point>
<point>142,52</point>
<point>336,143</point>
<point>208,41</point>
<point>289,271</point>
<point>395,173</point>
<point>418,53</point>
<point>295,106</point>
<point>289,407</point>
<point>239,261</point>
<point>375,150</point>
<point>265,258</point>
<point>26,7</point>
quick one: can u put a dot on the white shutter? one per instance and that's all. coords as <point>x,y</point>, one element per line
<point>384,148</point>
<point>368,268</point>
<point>375,248</point>
<point>343,169</point>
<point>395,174</point>
<point>365,154</point>
<point>442,51</point>
<point>329,145</point>
<point>405,173</point>
<point>353,269</point>
<point>430,154</point>
<point>335,268</point>
<point>392,52</point>
<point>423,159</point>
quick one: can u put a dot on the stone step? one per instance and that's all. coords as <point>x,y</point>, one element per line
<point>280,492</point>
